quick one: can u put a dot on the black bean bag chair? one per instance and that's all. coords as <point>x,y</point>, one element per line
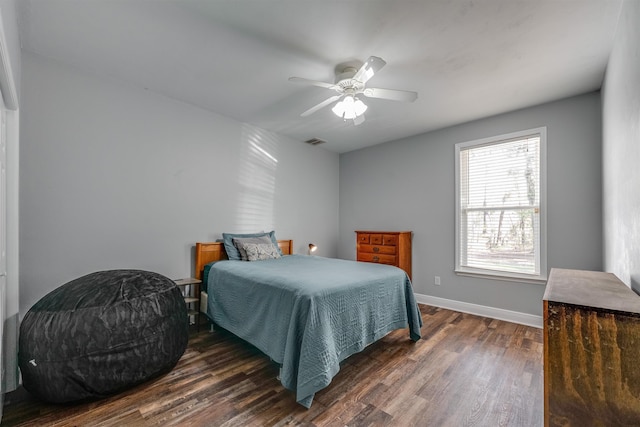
<point>101,334</point>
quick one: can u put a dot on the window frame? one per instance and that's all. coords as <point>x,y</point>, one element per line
<point>461,270</point>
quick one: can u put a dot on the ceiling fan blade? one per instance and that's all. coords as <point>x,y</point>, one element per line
<point>312,82</point>
<point>369,68</point>
<point>321,105</point>
<point>392,94</point>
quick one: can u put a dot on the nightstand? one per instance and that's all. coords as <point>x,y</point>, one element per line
<point>191,292</point>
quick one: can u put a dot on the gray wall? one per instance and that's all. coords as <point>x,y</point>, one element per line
<point>621,150</point>
<point>114,176</point>
<point>409,185</point>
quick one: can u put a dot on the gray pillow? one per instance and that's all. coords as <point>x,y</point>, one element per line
<point>232,251</point>
<point>260,251</point>
<point>238,242</point>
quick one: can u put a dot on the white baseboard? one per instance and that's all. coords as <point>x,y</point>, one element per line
<point>482,310</point>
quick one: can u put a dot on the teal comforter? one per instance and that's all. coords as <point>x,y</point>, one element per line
<point>309,313</point>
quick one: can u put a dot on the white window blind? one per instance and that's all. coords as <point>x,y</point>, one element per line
<point>499,210</point>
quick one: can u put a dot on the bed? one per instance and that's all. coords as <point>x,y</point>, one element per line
<point>306,313</point>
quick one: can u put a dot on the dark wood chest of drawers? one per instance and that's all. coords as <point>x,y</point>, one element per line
<point>591,350</point>
<point>385,247</point>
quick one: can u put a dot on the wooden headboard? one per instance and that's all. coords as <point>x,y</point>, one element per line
<point>214,251</point>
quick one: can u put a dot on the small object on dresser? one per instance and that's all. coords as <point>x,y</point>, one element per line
<point>190,289</point>
<point>385,247</point>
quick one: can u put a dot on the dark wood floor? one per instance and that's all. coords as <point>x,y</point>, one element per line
<point>466,371</point>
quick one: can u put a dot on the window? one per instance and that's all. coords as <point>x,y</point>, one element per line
<point>500,206</point>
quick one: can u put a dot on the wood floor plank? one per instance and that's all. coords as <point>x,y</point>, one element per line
<point>466,371</point>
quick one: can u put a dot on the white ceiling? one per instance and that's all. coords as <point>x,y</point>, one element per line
<point>466,59</point>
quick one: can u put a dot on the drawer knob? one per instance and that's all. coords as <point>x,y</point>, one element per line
<point>375,258</point>
<point>376,249</point>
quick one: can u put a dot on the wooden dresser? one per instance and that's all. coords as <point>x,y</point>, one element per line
<point>385,247</point>
<point>591,350</point>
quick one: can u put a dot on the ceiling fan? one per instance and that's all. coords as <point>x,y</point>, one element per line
<point>350,83</point>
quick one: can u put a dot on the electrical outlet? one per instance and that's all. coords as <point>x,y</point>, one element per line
<point>436,280</point>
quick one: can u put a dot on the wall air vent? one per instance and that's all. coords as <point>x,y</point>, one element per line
<point>315,141</point>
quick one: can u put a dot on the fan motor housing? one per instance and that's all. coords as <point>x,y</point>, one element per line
<point>346,83</point>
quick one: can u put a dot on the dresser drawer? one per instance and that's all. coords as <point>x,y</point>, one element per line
<point>378,258</point>
<point>375,239</point>
<point>363,238</point>
<point>377,249</point>
<point>389,239</point>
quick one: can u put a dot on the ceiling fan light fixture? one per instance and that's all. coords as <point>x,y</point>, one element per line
<point>351,82</point>
<point>349,108</point>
